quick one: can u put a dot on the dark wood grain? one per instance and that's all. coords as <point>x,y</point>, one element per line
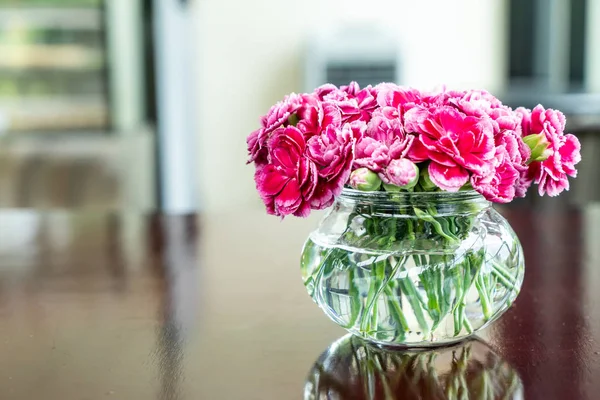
<point>130,306</point>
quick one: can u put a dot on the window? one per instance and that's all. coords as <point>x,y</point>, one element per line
<point>547,44</point>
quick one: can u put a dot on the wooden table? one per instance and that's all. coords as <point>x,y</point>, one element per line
<point>127,306</point>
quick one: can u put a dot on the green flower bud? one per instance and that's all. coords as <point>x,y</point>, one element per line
<point>364,179</point>
<point>538,144</point>
<point>466,186</point>
<point>425,181</point>
<point>391,188</point>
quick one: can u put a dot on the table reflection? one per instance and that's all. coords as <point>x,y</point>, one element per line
<point>352,369</point>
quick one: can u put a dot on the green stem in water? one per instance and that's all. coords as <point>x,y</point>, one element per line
<point>447,286</point>
<point>483,296</point>
<point>353,293</point>
<point>459,319</point>
<point>463,284</point>
<point>428,280</point>
<point>396,310</point>
<point>500,270</point>
<point>371,296</point>
<point>466,323</point>
<point>382,282</point>
<point>436,225</point>
<point>410,291</point>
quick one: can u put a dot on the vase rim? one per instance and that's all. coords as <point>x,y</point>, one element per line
<point>442,197</point>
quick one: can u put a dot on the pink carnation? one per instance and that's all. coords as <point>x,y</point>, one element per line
<point>371,154</point>
<point>551,175</point>
<point>358,104</point>
<point>396,100</point>
<point>499,185</point>
<point>456,144</point>
<point>383,141</point>
<point>315,116</point>
<point>391,95</point>
<point>305,111</point>
<point>288,183</point>
<point>303,174</point>
<point>474,102</point>
<point>542,120</point>
<point>329,92</point>
<point>352,89</point>
<point>308,144</point>
<point>332,152</point>
<point>277,117</point>
<point>518,154</point>
<point>442,97</point>
<point>507,131</point>
<point>479,103</point>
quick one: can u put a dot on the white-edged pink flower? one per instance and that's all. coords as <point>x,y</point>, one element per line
<point>507,135</point>
<point>356,104</point>
<point>333,151</point>
<point>442,97</point>
<point>277,117</point>
<point>371,154</point>
<point>310,145</point>
<point>383,141</point>
<point>288,182</point>
<point>551,175</point>
<point>391,95</point>
<point>314,116</point>
<point>499,185</point>
<point>329,92</point>
<point>457,145</point>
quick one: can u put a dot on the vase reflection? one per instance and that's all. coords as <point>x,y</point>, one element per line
<point>352,369</point>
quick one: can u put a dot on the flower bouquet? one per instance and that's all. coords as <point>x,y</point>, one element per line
<point>411,253</point>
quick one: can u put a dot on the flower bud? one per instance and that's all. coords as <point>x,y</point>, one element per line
<point>467,186</point>
<point>402,173</point>
<point>538,144</point>
<point>425,181</point>
<point>391,188</point>
<point>364,179</point>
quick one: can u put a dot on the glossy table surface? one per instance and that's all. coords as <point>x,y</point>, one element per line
<point>129,306</point>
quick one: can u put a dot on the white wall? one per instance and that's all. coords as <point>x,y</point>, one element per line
<point>250,56</point>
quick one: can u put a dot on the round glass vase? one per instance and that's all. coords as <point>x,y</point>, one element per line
<point>413,269</point>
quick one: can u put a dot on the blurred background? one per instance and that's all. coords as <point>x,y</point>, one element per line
<point>146,104</point>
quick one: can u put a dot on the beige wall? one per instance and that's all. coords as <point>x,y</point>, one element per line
<point>250,55</point>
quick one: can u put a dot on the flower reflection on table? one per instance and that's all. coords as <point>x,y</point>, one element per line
<point>352,369</point>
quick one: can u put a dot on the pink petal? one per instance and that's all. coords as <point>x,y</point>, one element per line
<point>447,178</point>
<point>322,198</point>
<point>303,211</point>
<point>442,159</point>
<point>289,199</point>
<point>570,153</point>
<point>269,181</point>
<point>417,151</point>
<point>282,157</point>
<point>309,185</point>
<point>331,115</point>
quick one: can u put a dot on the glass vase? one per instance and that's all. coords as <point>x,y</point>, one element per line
<point>351,369</point>
<point>413,269</point>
